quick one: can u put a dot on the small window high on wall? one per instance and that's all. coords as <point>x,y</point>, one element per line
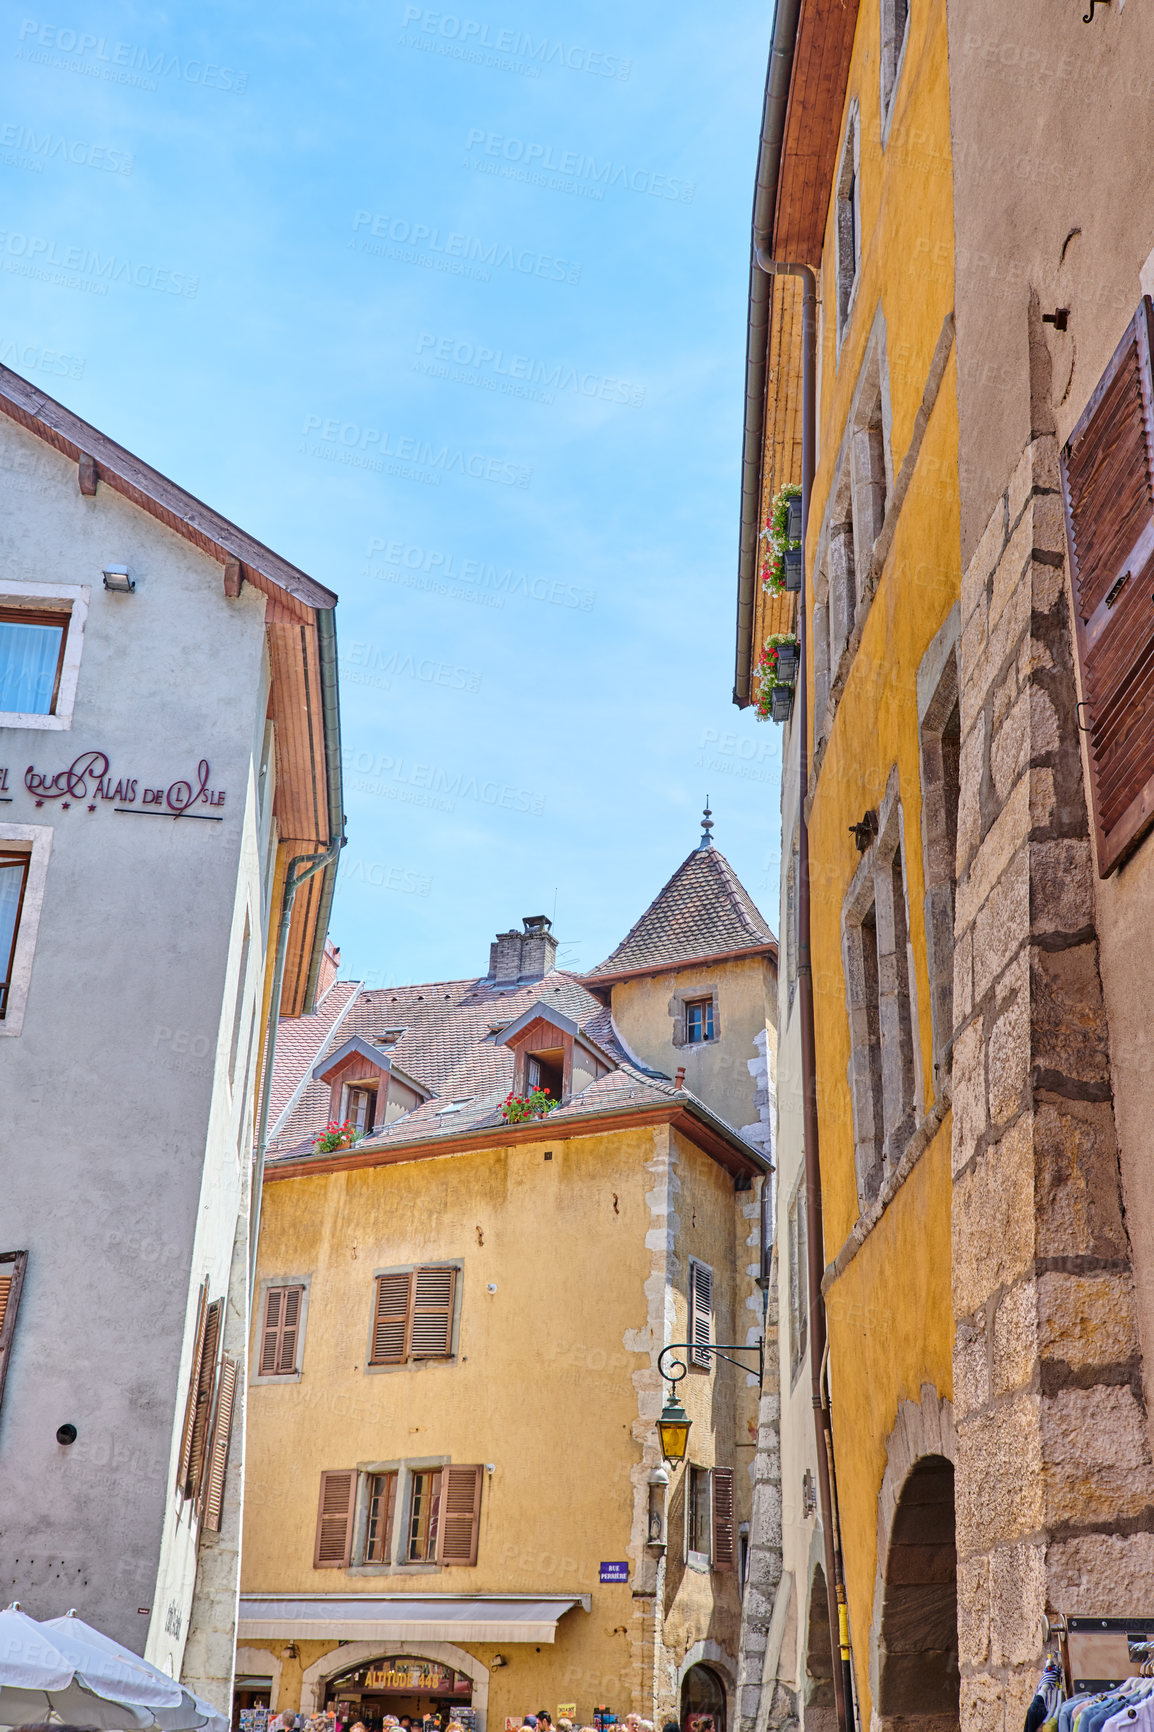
<point>848,220</point>
<point>895,22</point>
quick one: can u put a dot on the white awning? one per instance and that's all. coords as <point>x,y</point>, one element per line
<point>404,1617</point>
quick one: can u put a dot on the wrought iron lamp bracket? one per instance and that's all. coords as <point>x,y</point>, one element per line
<point>678,1369</point>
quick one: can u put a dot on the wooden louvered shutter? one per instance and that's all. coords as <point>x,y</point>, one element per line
<point>12,1266</point>
<point>185,1462</point>
<point>335,1520</point>
<point>722,1489</point>
<point>218,1447</point>
<point>1108,491</point>
<point>205,1389</point>
<point>282,1316</point>
<point>700,1312</point>
<point>391,1320</point>
<point>431,1330</point>
<point>460,1514</point>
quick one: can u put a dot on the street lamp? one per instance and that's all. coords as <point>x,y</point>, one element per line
<point>673,1426</point>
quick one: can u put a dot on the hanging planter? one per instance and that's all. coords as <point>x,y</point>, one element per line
<point>781,561</point>
<point>775,677</point>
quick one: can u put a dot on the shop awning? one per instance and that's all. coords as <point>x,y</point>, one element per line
<point>405,1617</point>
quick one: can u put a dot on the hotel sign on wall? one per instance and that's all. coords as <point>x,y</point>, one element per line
<point>90,782</point>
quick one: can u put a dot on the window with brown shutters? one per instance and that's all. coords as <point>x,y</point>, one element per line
<point>205,1388</point>
<point>413,1315</point>
<point>722,1488</point>
<point>460,1514</point>
<point>335,1519</point>
<point>700,1312</point>
<point>12,1267</point>
<point>1108,491</point>
<point>280,1335</point>
<point>185,1461</point>
<point>218,1447</point>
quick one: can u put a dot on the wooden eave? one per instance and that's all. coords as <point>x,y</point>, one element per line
<point>292,601</point>
<point>726,1148</point>
<point>591,982</point>
<point>161,498</point>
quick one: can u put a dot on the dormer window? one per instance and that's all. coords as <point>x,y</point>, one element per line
<point>546,1070</point>
<point>698,1021</point>
<point>359,1104</point>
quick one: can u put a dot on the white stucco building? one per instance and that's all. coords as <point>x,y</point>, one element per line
<point>169,763</point>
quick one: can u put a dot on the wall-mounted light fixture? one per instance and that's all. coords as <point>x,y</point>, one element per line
<point>116,578</point>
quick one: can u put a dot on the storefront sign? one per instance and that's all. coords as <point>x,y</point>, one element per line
<point>566,1710</point>
<point>615,1572</point>
<point>89,781</point>
<point>403,1673</point>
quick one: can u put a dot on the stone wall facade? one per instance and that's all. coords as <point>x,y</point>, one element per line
<point>765,1533</point>
<point>1055,1485</point>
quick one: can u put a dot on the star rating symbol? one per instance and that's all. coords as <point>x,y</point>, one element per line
<point>65,805</point>
<point>92,808</point>
<point>40,802</point>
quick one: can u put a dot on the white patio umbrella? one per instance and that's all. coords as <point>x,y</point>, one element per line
<point>38,1679</point>
<point>167,1705</point>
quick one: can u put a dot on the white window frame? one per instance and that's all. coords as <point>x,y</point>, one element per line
<point>33,595</point>
<point>37,840</point>
<point>850,159</point>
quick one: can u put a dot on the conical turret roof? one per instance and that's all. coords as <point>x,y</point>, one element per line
<point>703,913</point>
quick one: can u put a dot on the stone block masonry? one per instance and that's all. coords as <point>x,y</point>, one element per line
<point>1055,1484</point>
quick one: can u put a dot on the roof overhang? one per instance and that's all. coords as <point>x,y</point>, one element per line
<point>592,982</point>
<point>694,1120</point>
<point>405,1617</point>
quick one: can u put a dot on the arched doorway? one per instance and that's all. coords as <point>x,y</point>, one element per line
<point>918,1650</point>
<point>702,1694</point>
<point>400,1684</point>
<point>819,1709</point>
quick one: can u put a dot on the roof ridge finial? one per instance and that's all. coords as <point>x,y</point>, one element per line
<point>706,826</point>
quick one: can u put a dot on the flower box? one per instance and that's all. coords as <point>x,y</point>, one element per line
<point>781,703</point>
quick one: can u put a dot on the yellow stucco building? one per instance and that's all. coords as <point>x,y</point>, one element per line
<point>456,1495</point>
<point>855,183</point>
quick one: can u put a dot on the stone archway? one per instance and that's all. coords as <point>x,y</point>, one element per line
<point>818,1702</point>
<point>921,1428</point>
<point>350,1654</point>
<point>918,1684</point>
<point>712,1658</point>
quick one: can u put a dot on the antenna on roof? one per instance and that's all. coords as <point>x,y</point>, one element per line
<point>706,826</point>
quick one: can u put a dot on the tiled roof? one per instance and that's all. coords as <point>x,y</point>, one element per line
<point>300,1043</point>
<point>449,1044</point>
<point>704,910</point>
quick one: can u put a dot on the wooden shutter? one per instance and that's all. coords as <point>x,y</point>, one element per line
<point>12,1266</point>
<point>460,1514</point>
<point>722,1489</point>
<point>700,1311</point>
<point>185,1461</point>
<point>431,1329</point>
<point>1108,491</point>
<point>218,1447</point>
<point>335,1520</point>
<point>282,1316</point>
<point>205,1390</point>
<point>391,1320</point>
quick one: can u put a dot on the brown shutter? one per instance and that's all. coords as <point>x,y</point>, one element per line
<point>12,1266</point>
<point>218,1448</point>
<point>205,1389</point>
<point>335,1520</point>
<point>391,1320</point>
<point>700,1312</point>
<point>722,1518</point>
<point>432,1324</point>
<point>1108,490</point>
<point>282,1315</point>
<point>185,1462</point>
<point>460,1514</point>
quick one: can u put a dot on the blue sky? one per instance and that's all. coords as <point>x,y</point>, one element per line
<point>449,309</point>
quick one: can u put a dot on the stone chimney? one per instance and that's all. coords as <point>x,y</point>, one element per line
<point>538,947</point>
<point>524,955</point>
<point>329,968</point>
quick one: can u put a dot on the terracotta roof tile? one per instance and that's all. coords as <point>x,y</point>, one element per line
<point>704,910</point>
<point>300,1043</point>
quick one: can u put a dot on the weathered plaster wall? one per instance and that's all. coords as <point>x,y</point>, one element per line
<point>118,1077</point>
<point>718,1071</point>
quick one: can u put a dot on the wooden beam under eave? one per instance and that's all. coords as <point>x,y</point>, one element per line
<point>233,578</point>
<point>86,473</point>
